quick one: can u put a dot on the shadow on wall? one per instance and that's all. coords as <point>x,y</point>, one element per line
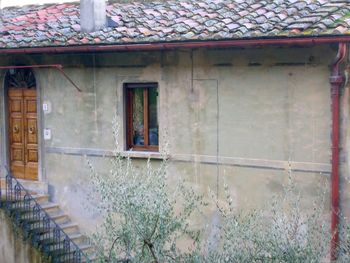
<point>12,247</point>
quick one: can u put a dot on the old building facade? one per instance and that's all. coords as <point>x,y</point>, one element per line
<point>246,110</point>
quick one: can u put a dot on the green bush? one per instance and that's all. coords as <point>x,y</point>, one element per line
<point>145,219</point>
<point>280,232</point>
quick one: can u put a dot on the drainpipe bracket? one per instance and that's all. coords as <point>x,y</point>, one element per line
<point>336,80</point>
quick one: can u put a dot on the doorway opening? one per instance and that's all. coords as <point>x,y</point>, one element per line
<point>22,123</point>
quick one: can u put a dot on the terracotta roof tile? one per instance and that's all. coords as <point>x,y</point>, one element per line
<point>173,20</point>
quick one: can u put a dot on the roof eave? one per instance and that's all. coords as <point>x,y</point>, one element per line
<point>285,41</point>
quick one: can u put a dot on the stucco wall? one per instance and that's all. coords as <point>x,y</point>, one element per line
<point>241,114</point>
<point>12,247</point>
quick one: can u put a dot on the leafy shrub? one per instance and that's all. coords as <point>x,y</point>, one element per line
<point>279,233</point>
<point>143,219</point>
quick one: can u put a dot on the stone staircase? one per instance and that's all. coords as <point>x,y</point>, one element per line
<point>63,220</point>
<point>44,223</point>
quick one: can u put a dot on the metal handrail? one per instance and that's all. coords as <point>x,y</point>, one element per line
<point>37,225</point>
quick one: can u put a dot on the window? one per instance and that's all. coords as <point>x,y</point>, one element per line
<point>142,116</point>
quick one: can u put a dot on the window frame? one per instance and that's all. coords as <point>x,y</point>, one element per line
<point>128,88</point>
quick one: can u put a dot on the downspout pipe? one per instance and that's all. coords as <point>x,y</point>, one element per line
<point>336,80</point>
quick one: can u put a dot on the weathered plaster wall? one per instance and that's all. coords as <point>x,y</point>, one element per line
<point>241,114</point>
<point>12,247</point>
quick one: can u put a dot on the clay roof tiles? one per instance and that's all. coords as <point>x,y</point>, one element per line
<point>185,20</point>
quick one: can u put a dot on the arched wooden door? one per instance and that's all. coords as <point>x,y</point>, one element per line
<point>22,124</point>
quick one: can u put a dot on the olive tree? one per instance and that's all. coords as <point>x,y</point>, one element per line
<point>143,217</point>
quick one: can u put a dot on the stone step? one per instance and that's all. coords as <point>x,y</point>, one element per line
<point>13,194</point>
<point>77,238</point>
<point>69,227</point>
<point>85,247</point>
<point>35,186</point>
<point>50,207</point>
<point>31,186</point>
<point>41,198</point>
<point>60,217</point>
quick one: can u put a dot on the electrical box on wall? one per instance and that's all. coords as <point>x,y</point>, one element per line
<point>47,134</point>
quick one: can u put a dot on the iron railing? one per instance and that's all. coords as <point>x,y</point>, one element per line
<point>37,225</point>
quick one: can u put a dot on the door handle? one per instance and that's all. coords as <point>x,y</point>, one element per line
<point>32,130</point>
<point>15,129</point>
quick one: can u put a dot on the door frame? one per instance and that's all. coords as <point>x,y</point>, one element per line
<point>5,150</point>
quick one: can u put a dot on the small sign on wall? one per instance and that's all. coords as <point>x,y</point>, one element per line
<point>47,107</point>
<point>47,134</point>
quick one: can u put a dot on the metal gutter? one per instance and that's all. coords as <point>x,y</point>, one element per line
<point>190,44</point>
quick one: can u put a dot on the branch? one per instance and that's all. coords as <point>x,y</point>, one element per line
<point>149,243</point>
<point>110,250</point>
<point>151,249</point>
<point>155,226</point>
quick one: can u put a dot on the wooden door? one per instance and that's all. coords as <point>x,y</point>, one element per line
<point>23,136</point>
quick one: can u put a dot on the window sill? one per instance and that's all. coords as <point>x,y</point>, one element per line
<point>143,155</point>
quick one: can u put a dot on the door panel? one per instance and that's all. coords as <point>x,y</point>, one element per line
<point>16,106</point>
<point>31,135</point>
<point>17,130</point>
<point>23,133</point>
<point>16,135</point>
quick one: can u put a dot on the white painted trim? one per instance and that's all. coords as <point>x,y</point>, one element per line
<point>322,168</point>
<point>255,163</point>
